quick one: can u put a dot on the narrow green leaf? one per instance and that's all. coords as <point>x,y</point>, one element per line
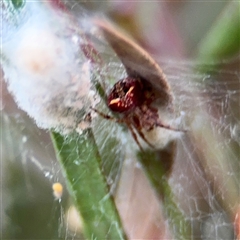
<point>82,165</point>
<point>157,166</point>
<point>18,3</point>
<point>223,40</point>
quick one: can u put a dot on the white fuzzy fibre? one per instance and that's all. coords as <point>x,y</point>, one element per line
<point>46,72</point>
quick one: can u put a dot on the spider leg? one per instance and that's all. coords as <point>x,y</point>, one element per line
<point>162,125</point>
<point>137,125</point>
<point>107,116</point>
<point>143,137</point>
<point>134,135</point>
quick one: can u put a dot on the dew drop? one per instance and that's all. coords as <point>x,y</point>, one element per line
<point>48,174</point>
<point>24,139</point>
<point>235,132</point>
<point>76,162</point>
<point>75,39</point>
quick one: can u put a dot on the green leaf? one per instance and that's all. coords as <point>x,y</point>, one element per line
<point>223,40</point>
<point>18,3</point>
<point>82,166</point>
<point>157,166</point>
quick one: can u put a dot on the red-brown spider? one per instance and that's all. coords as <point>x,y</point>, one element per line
<point>132,98</point>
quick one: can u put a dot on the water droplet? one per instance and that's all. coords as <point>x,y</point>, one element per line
<point>75,39</point>
<point>235,132</point>
<point>76,162</point>
<point>48,174</point>
<point>24,139</point>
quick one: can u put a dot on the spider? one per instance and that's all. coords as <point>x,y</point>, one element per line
<point>132,98</point>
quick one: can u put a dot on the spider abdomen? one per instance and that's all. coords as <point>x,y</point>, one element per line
<point>125,95</point>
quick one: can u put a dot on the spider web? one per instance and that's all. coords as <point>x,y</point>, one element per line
<point>204,179</point>
<point>210,156</point>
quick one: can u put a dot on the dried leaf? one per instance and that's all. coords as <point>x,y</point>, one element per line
<point>138,62</point>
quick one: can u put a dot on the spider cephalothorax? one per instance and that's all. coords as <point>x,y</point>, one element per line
<point>132,99</point>
<point>126,95</point>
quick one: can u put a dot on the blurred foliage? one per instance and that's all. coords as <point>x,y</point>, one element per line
<point>18,3</point>
<point>30,211</point>
<point>223,39</point>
